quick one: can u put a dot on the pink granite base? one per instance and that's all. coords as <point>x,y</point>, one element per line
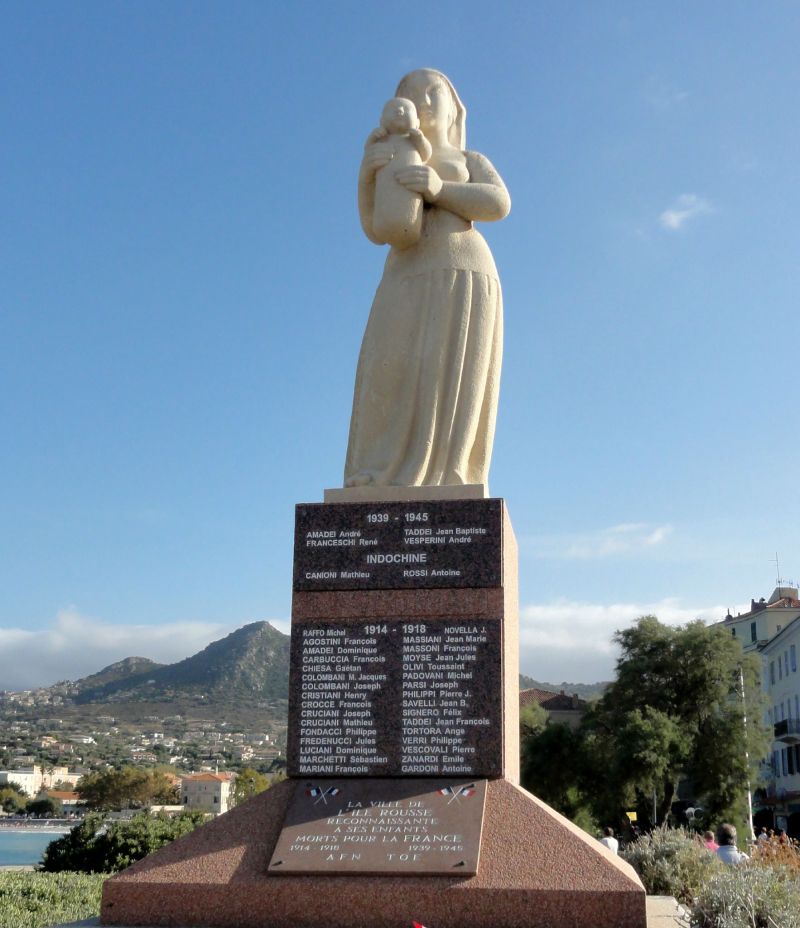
<point>537,870</point>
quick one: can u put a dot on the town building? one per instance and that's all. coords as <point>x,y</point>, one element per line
<point>32,780</point>
<point>781,680</point>
<point>70,802</point>
<point>558,706</point>
<point>208,792</point>
<point>772,628</point>
<point>765,619</point>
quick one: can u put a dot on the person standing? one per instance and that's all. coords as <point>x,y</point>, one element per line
<point>727,851</point>
<point>610,841</point>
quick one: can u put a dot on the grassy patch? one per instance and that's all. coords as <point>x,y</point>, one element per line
<point>36,900</point>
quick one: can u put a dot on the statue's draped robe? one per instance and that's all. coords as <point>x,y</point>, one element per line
<point>428,376</point>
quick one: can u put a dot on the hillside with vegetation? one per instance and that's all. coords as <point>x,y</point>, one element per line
<point>125,669</point>
<point>252,662</point>
<point>136,710</point>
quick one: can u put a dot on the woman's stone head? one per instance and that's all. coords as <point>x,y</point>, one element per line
<point>437,104</point>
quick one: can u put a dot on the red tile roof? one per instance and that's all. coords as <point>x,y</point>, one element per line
<point>552,702</point>
<point>224,777</point>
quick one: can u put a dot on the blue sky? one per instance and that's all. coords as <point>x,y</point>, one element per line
<point>184,287</point>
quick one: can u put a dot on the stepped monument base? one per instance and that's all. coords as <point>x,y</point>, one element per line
<point>537,870</point>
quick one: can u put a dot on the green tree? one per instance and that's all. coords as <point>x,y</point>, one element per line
<point>249,783</point>
<point>278,765</point>
<point>674,711</point>
<point>12,799</point>
<point>90,847</point>
<point>532,719</point>
<point>551,764</point>
<point>45,807</point>
<point>126,788</point>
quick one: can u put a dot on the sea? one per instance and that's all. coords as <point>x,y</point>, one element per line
<point>23,848</point>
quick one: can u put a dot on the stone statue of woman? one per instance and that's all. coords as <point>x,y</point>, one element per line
<point>428,376</point>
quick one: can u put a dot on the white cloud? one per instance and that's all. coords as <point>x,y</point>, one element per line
<point>567,640</point>
<point>684,208</point>
<point>629,538</point>
<point>74,646</point>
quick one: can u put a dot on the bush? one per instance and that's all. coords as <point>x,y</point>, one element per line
<point>780,856</point>
<point>91,848</point>
<point>34,900</point>
<point>762,893</point>
<point>672,862</point>
<point>751,896</point>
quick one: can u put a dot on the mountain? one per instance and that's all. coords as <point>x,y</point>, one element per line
<point>240,679</point>
<point>114,673</point>
<point>584,690</point>
<point>252,661</point>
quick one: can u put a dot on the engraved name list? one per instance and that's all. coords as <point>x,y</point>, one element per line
<point>397,697</point>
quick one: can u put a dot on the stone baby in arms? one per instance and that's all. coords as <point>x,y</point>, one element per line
<point>397,218</point>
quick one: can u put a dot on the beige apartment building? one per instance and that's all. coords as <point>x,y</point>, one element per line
<point>208,792</point>
<point>33,780</point>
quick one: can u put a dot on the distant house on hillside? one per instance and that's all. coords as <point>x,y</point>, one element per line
<point>559,707</point>
<point>207,792</point>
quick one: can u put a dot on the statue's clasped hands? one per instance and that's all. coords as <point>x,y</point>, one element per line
<point>421,179</point>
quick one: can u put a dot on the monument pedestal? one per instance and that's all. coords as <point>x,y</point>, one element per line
<point>404,663</point>
<point>537,870</point>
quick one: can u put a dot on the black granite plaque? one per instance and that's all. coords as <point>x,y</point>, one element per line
<point>408,545</point>
<point>397,697</point>
<point>413,827</point>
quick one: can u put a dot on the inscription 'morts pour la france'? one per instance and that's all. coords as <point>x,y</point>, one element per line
<point>402,827</point>
<point>406,545</point>
<point>399,697</point>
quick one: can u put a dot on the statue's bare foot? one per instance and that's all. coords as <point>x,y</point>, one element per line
<point>360,480</point>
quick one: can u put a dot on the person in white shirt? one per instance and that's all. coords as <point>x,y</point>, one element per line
<point>727,851</point>
<point>610,841</point>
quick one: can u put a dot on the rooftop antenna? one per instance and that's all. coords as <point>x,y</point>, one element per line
<point>777,569</point>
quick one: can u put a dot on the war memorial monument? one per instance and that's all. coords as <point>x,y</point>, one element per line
<point>403,801</point>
